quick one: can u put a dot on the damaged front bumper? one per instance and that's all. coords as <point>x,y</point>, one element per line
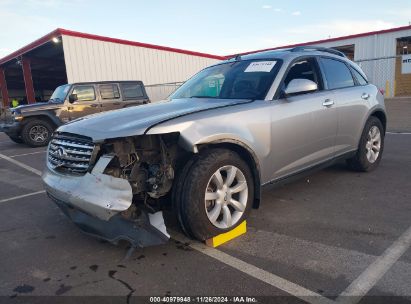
<point>94,202</point>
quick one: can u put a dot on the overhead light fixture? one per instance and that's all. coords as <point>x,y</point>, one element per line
<point>405,47</point>
<point>55,40</point>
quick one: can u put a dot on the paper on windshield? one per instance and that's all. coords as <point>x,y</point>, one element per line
<point>260,66</point>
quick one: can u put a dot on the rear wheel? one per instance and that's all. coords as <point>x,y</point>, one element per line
<point>37,133</point>
<point>371,146</point>
<point>217,194</point>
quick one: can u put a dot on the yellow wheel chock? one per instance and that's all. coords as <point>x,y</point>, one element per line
<point>227,236</point>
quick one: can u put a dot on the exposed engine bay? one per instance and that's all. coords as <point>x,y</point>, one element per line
<point>148,163</point>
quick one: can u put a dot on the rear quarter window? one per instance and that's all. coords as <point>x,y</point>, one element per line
<point>361,80</point>
<point>336,73</point>
<point>132,91</point>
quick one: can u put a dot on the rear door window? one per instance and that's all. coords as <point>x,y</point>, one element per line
<point>84,93</point>
<point>132,91</point>
<point>109,91</point>
<point>336,73</point>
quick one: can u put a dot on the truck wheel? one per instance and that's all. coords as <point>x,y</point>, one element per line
<point>36,133</point>
<point>217,194</point>
<point>371,146</point>
<point>17,140</point>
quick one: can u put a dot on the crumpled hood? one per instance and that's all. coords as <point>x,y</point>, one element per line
<point>136,120</point>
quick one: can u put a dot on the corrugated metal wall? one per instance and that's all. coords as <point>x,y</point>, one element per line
<point>371,54</point>
<point>93,60</point>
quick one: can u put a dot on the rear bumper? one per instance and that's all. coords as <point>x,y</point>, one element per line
<point>12,129</point>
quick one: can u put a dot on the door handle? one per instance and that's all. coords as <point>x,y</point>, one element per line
<point>70,108</point>
<point>94,105</point>
<point>365,96</point>
<point>328,103</point>
<point>116,103</point>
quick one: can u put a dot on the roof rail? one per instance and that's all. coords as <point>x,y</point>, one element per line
<point>317,48</point>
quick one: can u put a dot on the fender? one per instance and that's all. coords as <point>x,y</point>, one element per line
<point>380,113</point>
<point>248,155</point>
<point>32,114</point>
<point>232,142</point>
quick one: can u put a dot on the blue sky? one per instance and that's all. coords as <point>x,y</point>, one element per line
<point>213,26</point>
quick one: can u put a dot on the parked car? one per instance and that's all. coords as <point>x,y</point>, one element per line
<point>33,124</point>
<point>234,127</point>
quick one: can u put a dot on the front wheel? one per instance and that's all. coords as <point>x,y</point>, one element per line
<point>217,194</point>
<point>36,133</point>
<point>371,146</point>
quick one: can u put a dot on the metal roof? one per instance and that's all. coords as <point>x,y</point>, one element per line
<point>60,32</point>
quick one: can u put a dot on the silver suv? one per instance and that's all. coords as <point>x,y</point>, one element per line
<point>206,152</point>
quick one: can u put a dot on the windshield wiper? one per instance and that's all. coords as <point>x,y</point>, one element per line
<point>203,96</point>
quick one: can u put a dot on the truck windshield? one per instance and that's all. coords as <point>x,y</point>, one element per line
<point>248,79</point>
<point>60,93</point>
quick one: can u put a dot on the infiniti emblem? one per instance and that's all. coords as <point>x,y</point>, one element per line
<point>61,152</point>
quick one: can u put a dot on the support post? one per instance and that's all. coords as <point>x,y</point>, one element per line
<point>3,88</point>
<point>28,80</point>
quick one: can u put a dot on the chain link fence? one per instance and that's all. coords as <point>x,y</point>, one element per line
<point>157,92</point>
<point>382,72</point>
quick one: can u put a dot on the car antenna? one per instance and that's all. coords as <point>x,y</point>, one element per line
<point>237,57</point>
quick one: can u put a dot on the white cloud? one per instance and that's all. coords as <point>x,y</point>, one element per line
<point>278,10</point>
<point>52,3</point>
<point>337,28</point>
<point>406,13</point>
<point>296,13</point>
<point>267,6</point>
<point>305,33</point>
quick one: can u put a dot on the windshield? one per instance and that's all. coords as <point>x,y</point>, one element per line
<point>250,79</point>
<point>60,93</point>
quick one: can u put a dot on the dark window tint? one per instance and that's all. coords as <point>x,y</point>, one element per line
<point>304,69</point>
<point>109,91</point>
<point>84,93</point>
<point>132,90</point>
<point>361,80</point>
<point>337,73</point>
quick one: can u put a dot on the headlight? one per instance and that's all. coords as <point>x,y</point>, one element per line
<point>17,116</point>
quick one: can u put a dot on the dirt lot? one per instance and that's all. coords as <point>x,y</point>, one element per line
<point>335,232</point>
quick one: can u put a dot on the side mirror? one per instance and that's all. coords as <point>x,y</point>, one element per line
<point>297,86</point>
<point>72,98</point>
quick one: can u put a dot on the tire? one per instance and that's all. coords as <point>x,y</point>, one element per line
<point>17,140</point>
<point>203,218</point>
<point>177,190</point>
<point>38,138</point>
<point>366,158</point>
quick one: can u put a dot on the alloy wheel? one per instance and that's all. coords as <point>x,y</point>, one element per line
<point>226,197</point>
<point>38,133</point>
<point>373,144</point>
